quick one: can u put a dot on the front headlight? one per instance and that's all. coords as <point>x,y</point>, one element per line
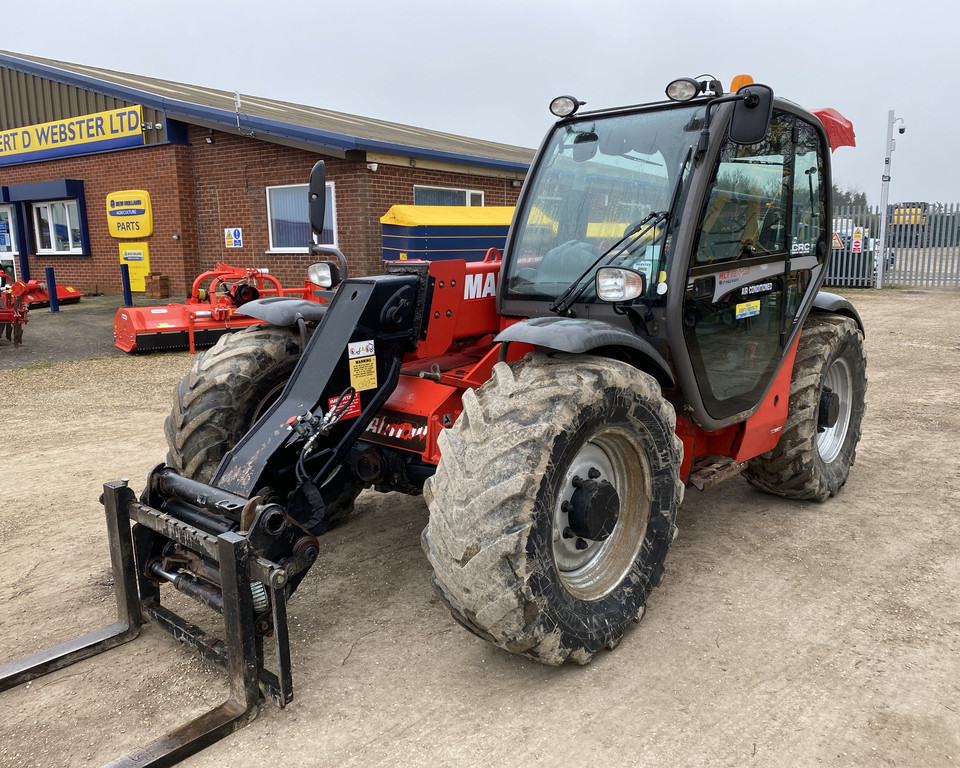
<point>321,273</point>
<point>620,284</point>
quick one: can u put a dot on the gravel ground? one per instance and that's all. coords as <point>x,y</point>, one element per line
<point>78,331</point>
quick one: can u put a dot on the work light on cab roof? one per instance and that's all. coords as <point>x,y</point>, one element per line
<point>565,106</point>
<point>687,88</point>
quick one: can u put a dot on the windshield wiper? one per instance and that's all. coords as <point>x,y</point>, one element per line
<point>575,290</point>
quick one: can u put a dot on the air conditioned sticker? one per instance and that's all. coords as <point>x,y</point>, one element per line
<point>748,309</point>
<point>758,288</point>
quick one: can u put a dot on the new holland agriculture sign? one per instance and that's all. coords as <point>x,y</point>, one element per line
<point>102,131</point>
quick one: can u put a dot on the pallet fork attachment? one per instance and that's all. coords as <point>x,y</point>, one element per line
<point>240,653</point>
<point>231,545</point>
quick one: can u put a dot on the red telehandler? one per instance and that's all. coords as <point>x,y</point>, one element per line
<point>656,321</point>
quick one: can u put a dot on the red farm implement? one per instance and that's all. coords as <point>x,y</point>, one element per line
<point>207,314</point>
<point>13,311</point>
<point>36,294</point>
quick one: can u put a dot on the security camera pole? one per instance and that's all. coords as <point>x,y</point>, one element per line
<point>884,194</point>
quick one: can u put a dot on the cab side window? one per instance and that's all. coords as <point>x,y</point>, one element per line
<point>745,215</point>
<point>808,239</point>
<point>762,239</point>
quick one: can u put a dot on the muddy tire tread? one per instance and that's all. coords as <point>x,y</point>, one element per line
<point>793,469</point>
<point>482,496</point>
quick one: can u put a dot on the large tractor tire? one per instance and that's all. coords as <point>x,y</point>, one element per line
<point>819,441</point>
<point>553,505</point>
<point>226,391</point>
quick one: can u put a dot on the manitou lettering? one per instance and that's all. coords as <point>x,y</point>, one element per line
<point>382,425</point>
<point>480,286</point>
<point>398,429</point>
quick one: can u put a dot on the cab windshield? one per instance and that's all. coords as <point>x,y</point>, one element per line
<point>597,179</point>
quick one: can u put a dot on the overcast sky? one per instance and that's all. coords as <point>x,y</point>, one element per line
<point>489,69</point>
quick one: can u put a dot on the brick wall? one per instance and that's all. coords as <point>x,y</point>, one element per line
<point>198,190</point>
<point>232,175</point>
<point>158,169</point>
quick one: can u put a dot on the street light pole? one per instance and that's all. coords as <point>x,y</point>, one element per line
<point>884,195</point>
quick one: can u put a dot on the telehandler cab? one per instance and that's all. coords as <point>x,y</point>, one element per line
<point>655,322</point>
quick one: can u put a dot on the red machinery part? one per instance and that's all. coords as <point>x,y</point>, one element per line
<point>13,311</point>
<point>206,315</point>
<point>35,294</point>
<point>839,129</point>
<point>175,326</point>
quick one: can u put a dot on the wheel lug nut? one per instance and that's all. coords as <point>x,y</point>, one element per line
<point>594,473</point>
<point>566,507</point>
<point>581,544</point>
<point>568,533</point>
<point>577,481</point>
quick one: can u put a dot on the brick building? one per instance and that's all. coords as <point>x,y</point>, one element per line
<point>225,177</point>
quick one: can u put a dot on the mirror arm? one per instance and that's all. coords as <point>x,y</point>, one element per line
<point>750,99</point>
<point>318,249</point>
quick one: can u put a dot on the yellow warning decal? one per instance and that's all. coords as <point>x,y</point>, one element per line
<point>363,373</point>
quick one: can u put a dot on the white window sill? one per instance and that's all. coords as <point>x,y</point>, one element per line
<point>288,251</point>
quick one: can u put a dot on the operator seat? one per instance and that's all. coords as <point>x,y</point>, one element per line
<point>564,263</point>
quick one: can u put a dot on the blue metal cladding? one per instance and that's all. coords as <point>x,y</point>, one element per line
<point>440,242</point>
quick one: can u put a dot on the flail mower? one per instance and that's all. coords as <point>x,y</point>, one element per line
<point>212,309</point>
<point>655,321</point>
<point>37,294</point>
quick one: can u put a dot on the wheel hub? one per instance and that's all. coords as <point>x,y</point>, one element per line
<point>834,409</point>
<point>829,410</point>
<point>601,516</point>
<point>593,509</point>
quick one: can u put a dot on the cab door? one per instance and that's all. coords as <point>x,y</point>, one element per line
<point>761,238</point>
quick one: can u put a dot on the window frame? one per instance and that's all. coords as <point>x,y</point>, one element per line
<point>467,193</point>
<point>13,255</point>
<point>12,232</point>
<point>330,218</point>
<point>73,249</point>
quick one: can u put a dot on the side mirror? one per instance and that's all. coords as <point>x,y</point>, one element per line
<point>318,197</point>
<point>616,284</point>
<point>585,146</point>
<point>751,114</point>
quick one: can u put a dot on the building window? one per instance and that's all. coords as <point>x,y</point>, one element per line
<point>57,227</point>
<point>289,218</point>
<point>445,196</point>
<point>8,242</point>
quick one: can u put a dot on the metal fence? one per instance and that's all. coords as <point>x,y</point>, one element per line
<point>923,246</point>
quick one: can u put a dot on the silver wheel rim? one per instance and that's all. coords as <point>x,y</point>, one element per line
<point>830,441</point>
<point>591,572</point>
